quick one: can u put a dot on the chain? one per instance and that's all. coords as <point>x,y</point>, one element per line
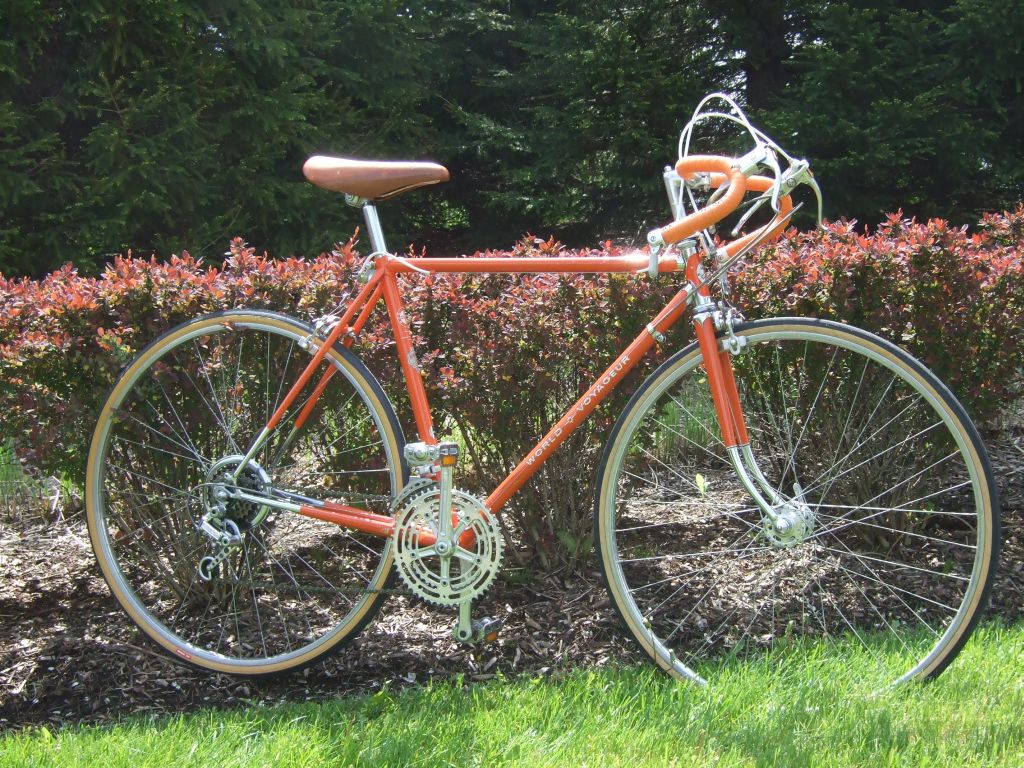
<point>271,586</point>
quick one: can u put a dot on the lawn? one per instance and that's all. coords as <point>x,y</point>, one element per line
<point>781,711</point>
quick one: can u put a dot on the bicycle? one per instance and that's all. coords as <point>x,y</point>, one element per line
<point>783,483</point>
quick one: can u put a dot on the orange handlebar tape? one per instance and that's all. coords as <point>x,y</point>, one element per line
<point>718,210</point>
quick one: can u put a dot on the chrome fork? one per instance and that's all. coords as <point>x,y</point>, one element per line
<point>788,520</point>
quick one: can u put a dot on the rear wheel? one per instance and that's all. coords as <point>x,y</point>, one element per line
<point>894,528</point>
<point>166,459</point>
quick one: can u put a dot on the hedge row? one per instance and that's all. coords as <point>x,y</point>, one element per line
<point>504,355</point>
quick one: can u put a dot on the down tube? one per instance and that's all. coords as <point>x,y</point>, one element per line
<point>590,399</point>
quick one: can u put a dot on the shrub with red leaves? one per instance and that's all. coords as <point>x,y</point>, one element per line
<point>64,338</point>
<point>953,299</point>
<point>505,355</point>
<point>510,354</point>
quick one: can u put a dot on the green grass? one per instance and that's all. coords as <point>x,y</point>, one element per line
<point>766,713</point>
<point>10,472</point>
<point>22,496</point>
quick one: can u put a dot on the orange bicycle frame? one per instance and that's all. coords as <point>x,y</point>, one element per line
<point>383,284</point>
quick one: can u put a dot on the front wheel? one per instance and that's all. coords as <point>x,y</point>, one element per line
<point>166,457</point>
<point>895,529</point>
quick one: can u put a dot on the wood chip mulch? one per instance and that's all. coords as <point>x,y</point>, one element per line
<point>68,654</point>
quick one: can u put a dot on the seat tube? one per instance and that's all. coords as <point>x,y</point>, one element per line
<point>400,327</point>
<point>406,354</point>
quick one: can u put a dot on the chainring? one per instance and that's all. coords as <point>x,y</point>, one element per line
<point>469,567</point>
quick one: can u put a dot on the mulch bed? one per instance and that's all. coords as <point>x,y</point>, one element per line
<point>69,654</point>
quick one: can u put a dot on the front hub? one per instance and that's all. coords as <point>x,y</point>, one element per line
<point>795,524</point>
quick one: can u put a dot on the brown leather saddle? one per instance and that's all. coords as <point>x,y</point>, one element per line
<point>371,179</point>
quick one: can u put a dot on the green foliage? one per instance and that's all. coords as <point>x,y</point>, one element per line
<point>888,105</point>
<point>166,125</point>
<point>565,113</point>
<point>581,149</point>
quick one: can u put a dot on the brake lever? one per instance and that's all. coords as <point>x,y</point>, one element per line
<point>800,173</point>
<point>817,194</point>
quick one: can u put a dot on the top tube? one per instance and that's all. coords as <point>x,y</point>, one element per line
<point>568,265</point>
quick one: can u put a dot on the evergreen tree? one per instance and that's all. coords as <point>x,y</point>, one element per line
<point>171,125</point>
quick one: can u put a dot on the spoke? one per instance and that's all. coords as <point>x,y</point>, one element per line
<point>190,448</point>
<point>904,508</point>
<point>896,592</point>
<point>791,463</point>
<point>217,413</point>
<point>373,553</point>
<point>177,417</point>
<point>902,482</point>
<point>864,522</point>
<point>131,473</point>
<point>670,470</point>
<point>280,607</point>
<point>697,570</point>
<point>127,536</point>
<point>847,574</point>
<point>691,555</point>
<point>340,409</point>
<point>280,467</point>
<point>857,442</point>
<point>283,376</point>
<point>786,408</point>
<point>815,485</point>
<point>850,411</point>
<point>290,574</point>
<point>255,600</point>
<point>160,450</point>
<point>852,628</point>
<point>716,439</point>
<point>898,565</point>
<point>860,443</point>
<point>677,523</point>
<point>742,555</point>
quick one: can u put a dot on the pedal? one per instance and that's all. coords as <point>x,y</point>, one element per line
<point>486,630</point>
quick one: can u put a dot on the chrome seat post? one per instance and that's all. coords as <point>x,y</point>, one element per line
<point>373,227</point>
<point>377,243</point>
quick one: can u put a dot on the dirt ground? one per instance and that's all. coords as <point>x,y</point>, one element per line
<point>68,654</point>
